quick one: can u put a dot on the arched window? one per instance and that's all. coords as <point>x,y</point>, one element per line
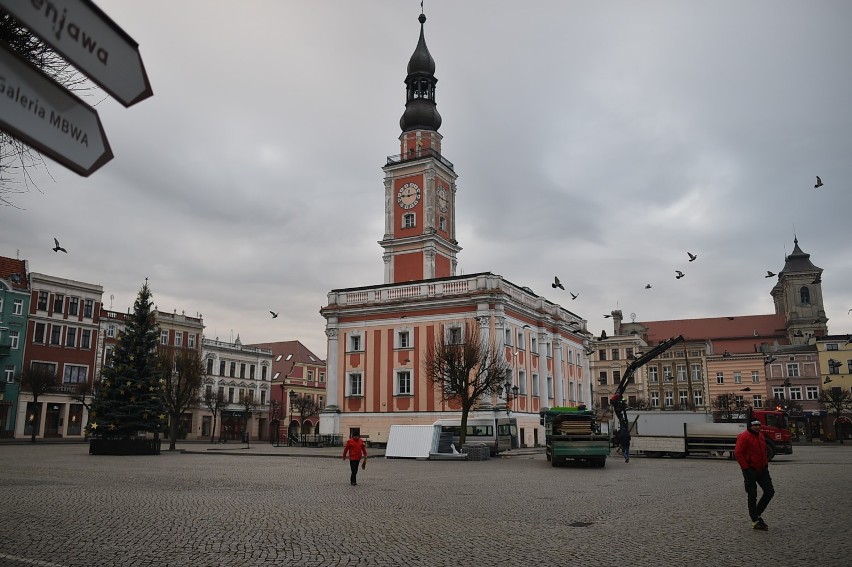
<point>805,295</point>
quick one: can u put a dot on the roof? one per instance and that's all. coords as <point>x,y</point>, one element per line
<point>736,334</point>
<point>10,267</point>
<point>286,355</point>
<point>799,261</point>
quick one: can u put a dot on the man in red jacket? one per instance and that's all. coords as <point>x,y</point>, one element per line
<point>750,452</point>
<point>356,449</point>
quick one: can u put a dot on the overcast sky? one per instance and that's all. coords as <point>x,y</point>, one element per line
<point>596,141</point>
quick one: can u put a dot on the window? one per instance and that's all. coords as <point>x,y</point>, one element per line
<point>58,302</point>
<point>681,372</point>
<point>1,304</point>
<point>739,400</point>
<point>604,402</point>
<point>698,398</point>
<point>403,339</point>
<point>263,397</point>
<point>669,399</point>
<point>602,354</point>
<point>73,374</point>
<point>696,372</point>
<point>230,395</point>
<point>812,392</point>
<point>9,373</point>
<point>408,220</point>
<point>550,387</point>
<point>221,393</point>
<point>667,373</point>
<point>442,224</point>
<point>507,339</point>
<point>55,334</point>
<point>720,377</point>
<point>111,331</point>
<point>310,375</point>
<point>38,335</point>
<point>355,343</point>
<point>86,339</point>
<point>18,307</point>
<point>221,368</point>
<point>602,377</point>
<point>252,368</point>
<point>108,355</point>
<point>793,370</point>
<point>521,343</point>
<point>355,385</point>
<point>796,393</point>
<point>755,377</point>
<point>88,308</point>
<point>616,377</point>
<point>13,340</point>
<point>263,373</point>
<point>738,378</point>
<point>535,385</point>
<point>522,382</point>
<point>402,387</point>
<point>164,337</point>
<point>191,340</point>
<point>655,399</point>
<point>629,352</point>
<point>242,370</point>
<point>454,336</point>
<point>683,397</point>
<point>615,354</point>
<point>653,374</point>
<point>831,346</point>
<point>178,338</point>
<point>322,377</point>
<point>73,305</point>
<point>42,301</point>
<point>757,401</point>
<point>71,337</point>
<point>533,345</point>
<point>805,295</point>
<point>233,369</point>
<point>778,393</point>
<point>209,367</point>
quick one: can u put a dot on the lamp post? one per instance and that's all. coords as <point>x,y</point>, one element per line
<point>292,405</point>
<point>511,394</point>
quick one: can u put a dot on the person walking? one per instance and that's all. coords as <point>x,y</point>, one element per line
<point>750,452</point>
<point>355,449</point>
<point>624,443</point>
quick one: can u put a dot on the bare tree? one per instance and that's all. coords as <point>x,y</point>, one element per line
<point>16,157</point>
<point>305,406</point>
<point>39,379</point>
<point>730,407</point>
<point>249,406</point>
<point>215,403</point>
<point>85,393</point>
<point>464,368</point>
<point>182,372</point>
<point>836,401</point>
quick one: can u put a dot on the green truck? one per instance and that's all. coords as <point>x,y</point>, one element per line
<point>571,433</point>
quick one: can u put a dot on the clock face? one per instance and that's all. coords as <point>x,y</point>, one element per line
<point>442,199</point>
<point>408,195</point>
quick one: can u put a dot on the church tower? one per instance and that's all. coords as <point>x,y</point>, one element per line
<point>798,296</point>
<point>420,185</point>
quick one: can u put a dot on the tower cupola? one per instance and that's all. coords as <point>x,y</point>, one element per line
<point>421,113</point>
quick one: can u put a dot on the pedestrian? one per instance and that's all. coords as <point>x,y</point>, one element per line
<point>624,443</point>
<point>356,450</point>
<point>750,452</point>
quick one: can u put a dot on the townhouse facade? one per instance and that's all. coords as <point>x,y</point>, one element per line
<point>14,312</point>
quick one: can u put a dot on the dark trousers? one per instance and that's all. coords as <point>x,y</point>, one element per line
<point>752,479</point>
<point>353,464</point>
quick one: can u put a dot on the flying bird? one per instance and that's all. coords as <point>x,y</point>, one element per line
<point>573,295</point>
<point>816,281</point>
<point>692,256</point>
<point>679,274</point>
<point>58,248</point>
<point>818,183</point>
<point>769,274</point>
<point>848,312</point>
<point>274,314</point>
<point>607,316</point>
<point>768,360</point>
<point>730,318</point>
<point>647,286</point>
<point>556,283</point>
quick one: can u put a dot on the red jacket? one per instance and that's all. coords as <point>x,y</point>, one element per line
<point>750,450</point>
<point>355,448</point>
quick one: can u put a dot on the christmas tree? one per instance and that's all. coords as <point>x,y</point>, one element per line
<point>129,402</point>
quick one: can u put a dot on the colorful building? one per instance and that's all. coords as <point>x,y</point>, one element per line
<point>14,311</point>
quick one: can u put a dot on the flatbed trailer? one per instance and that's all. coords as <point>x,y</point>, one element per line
<point>571,434</point>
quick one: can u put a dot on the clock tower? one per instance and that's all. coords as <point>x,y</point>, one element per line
<point>420,185</point>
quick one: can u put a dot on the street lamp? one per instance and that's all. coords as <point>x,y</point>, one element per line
<point>292,413</point>
<point>511,395</point>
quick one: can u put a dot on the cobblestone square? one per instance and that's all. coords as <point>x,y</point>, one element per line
<point>63,507</point>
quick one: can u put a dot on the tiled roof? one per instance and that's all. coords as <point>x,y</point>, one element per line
<point>10,266</point>
<point>735,334</point>
<point>286,355</point>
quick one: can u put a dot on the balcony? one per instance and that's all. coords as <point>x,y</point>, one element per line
<point>419,154</point>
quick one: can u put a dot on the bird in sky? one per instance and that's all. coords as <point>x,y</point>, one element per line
<point>692,256</point>
<point>607,316</point>
<point>647,286</point>
<point>818,183</point>
<point>817,280</point>
<point>679,274</point>
<point>768,360</point>
<point>274,314</point>
<point>769,274</point>
<point>574,295</point>
<point>848,312</point>
<point>827,380</point>
<point>730,318</point>
<point>556,283</point>
<point>58,248</point>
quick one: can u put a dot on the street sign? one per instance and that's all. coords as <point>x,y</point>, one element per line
<point>41,113</point>
<point>90,40</point>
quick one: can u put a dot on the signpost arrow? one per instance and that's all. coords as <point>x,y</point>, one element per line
<point>90,40</point>
<point>40,112</point>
